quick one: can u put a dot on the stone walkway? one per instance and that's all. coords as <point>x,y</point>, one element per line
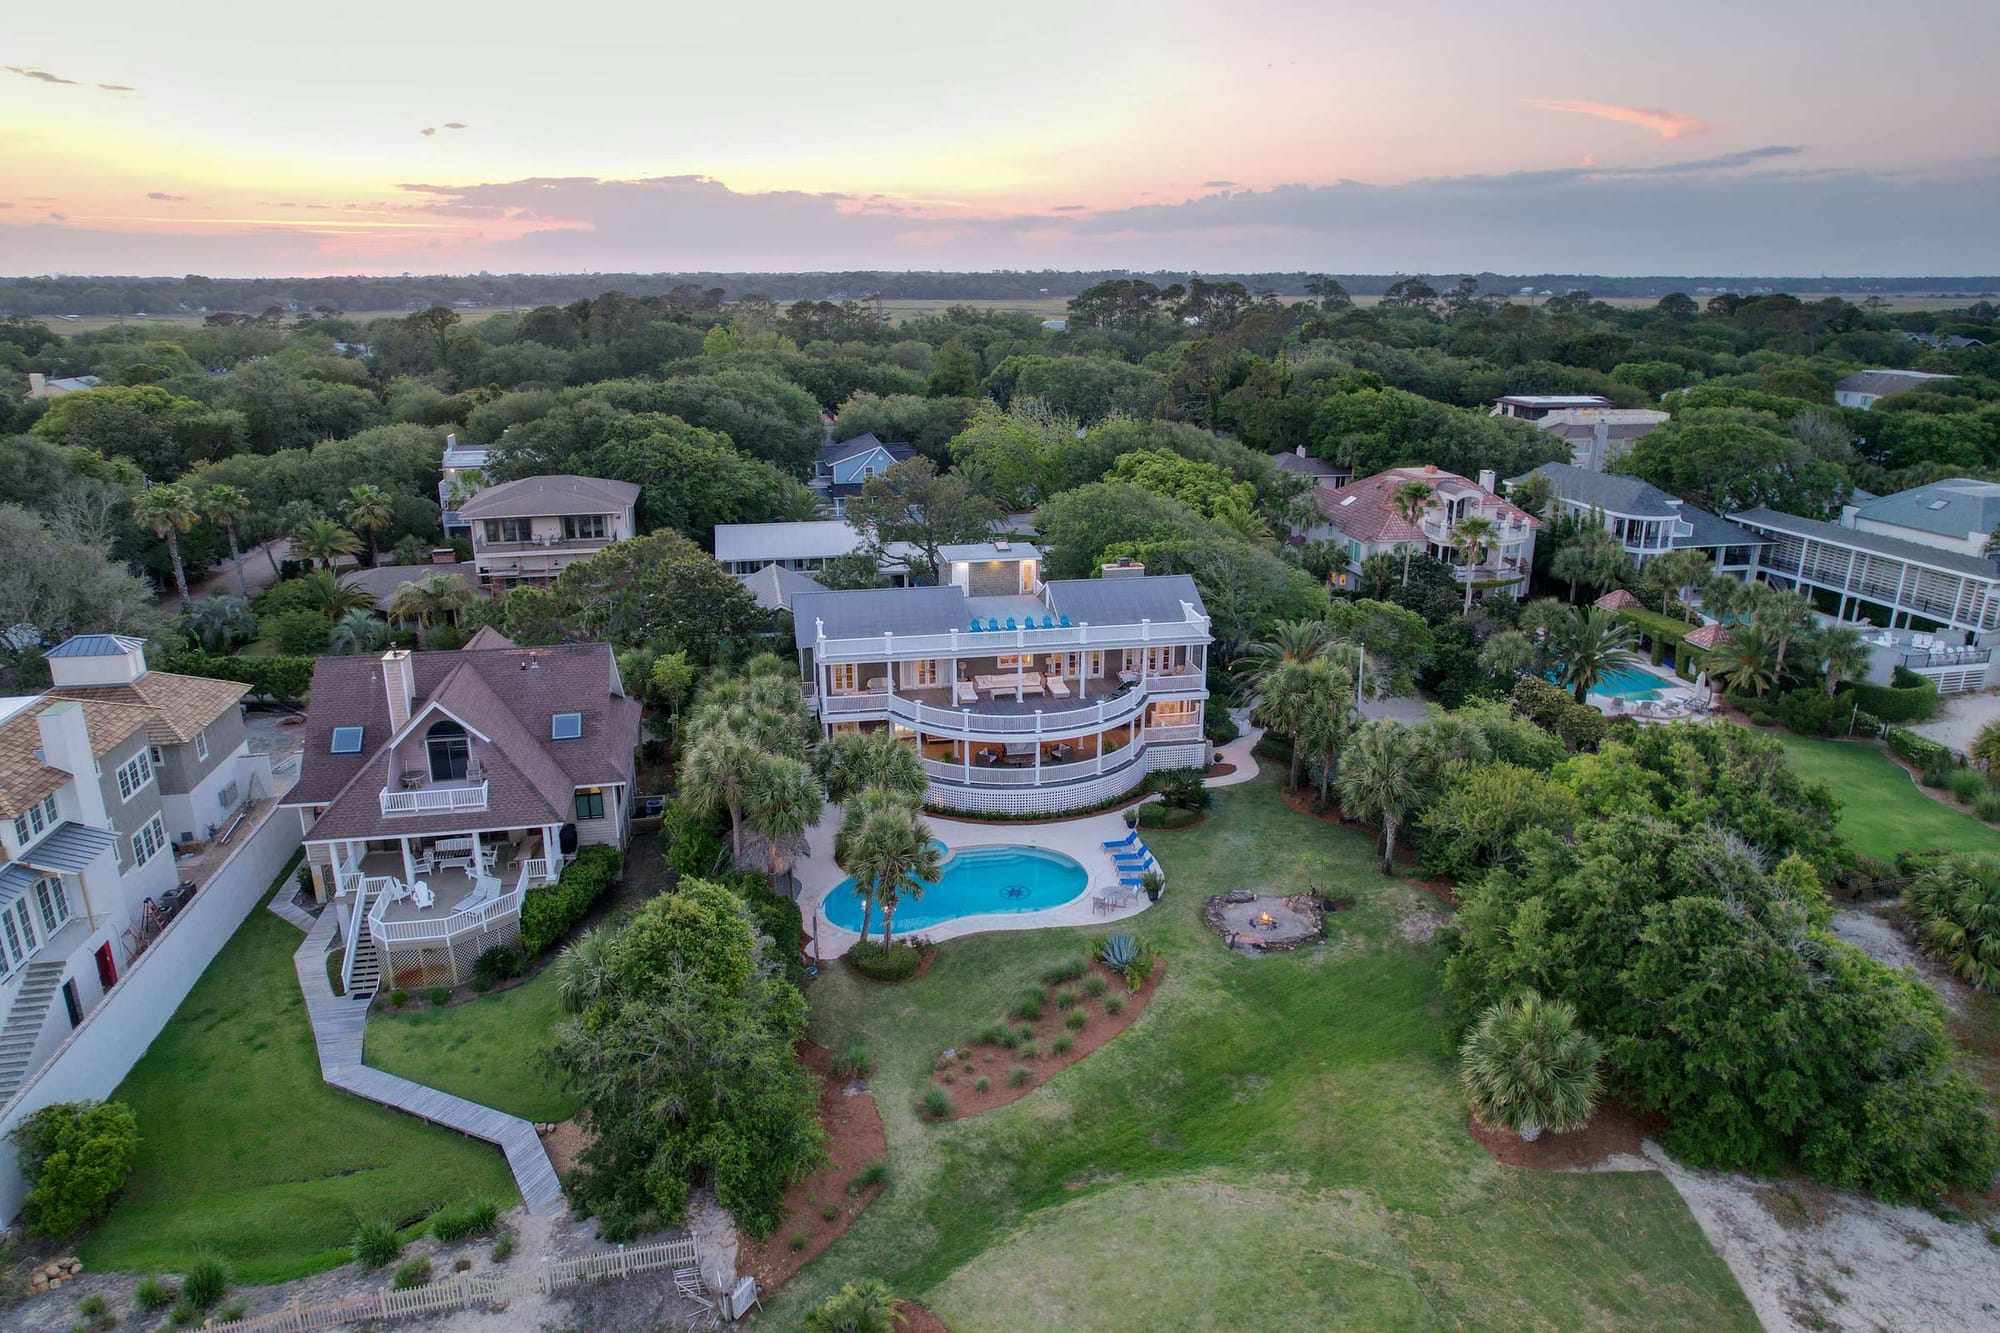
<point>339,1025</point>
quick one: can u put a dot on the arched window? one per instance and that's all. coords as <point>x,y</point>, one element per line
<point>450,751</point>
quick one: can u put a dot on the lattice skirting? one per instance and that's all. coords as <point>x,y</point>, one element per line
<point>414,966</point>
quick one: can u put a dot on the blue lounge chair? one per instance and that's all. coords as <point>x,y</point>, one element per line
<point>993,622</point>
<point>1048,622</point>
<point>1010,622</point>
<point>1139,867</point>
<point>1139,852</point>
<point>1132,881</point>
<point>976,625</point>
<point>1131,836</point>
<point>1062,622</point>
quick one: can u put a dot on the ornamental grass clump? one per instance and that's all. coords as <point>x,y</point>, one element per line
<point>1527,1067</point>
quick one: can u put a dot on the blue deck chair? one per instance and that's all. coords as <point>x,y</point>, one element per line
<point>975,625</point>
<point>1131,836</point>
<point>992,622</point>
<point>1010,622</point>
<point>1132,881</point>
<point>1137,867</point>
<point>1048,622</point>
<point>1063,623</point>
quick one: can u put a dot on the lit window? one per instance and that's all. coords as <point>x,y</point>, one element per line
<point>566,726</point>
<point>346,740</point>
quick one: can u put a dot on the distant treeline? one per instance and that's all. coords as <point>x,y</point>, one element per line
<point>195,294</point>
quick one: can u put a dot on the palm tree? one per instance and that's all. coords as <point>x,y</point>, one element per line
<point>1328,717</point>
<point>859,1307</point>
<point>1508,653</point>
<point>1843,654</point>
<point>1746,661</point>
<point>324,540</point>
<point>898,852</point>
<point>1527,1067</point>
<point>440,597</point>
<point>1290,641</point>
<point>1956,905</point>
<point>1985,747</point>
<point>587,970</point>
<point>781,800</point>
<point>226,506</point>
<point>1288,695</point>
<point>370,509</point>
<point>1472,537</point>
<point>168,509</point>
<point>217,622</point>
<point>713,773</point>
<point>357,631</point>
<point>1677,572</point>
<point>1378,780</point>
<point>333,598</point>
<point>1410,500</point>
<point>849,841</point>
<point>1377,574</point>
<point>1786,615</point>
<point>1589,647</point>
<point>857,761</point>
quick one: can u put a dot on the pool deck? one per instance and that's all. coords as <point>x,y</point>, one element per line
<point>1671,690</point>
<point>1082,840</point>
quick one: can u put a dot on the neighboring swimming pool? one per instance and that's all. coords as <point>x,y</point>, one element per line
<point>1629,683</point>
<point>976,881</point>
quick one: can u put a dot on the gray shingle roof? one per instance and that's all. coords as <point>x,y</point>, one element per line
<point>1885,383</point>
<point>774,587</point>
<point>1894,548</point>
<point>1293,465</point>
<point>1955,507</point>
<point>1124,601</point>
<point>830,454</point>
<point>862,612</point>
<point>560,493</point>
<point>1633,498</point>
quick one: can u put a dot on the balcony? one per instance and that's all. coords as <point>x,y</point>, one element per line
<point>1191,628</point>
<point>535,545</point>
<point>442,798</point>
<point>1437,528</point>
<point>1004,715</point>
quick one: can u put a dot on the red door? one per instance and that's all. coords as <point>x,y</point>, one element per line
<point>107,966</point>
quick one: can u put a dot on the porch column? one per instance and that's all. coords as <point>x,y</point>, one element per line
<point>477,871</point>
<point>1020,669</point>
<point>551,847</point>
<point>409,866</point>
<point>951,671</point>
<point>1038,747</point>
<point>965,745</point>
<point>1083,673</point>
<point>889,665</point>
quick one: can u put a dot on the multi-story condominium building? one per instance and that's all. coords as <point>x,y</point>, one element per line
<point>1865,388</point>
<point>462,474</point>
<point>842,469</point>
<point>529,531</point>
<point>85,856</point>
<point>1646,520</point>
<point>1362,516</point>
<point>437,788</point>
<point>1914,561</point>
<point>1022,696</point>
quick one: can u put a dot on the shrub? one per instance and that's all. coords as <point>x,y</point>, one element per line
<point>1018,1075</point>
<point>1181,788</point>
<point>1075,1020</point>
<point>185,1314</point>
<point>1028,1050</point>
<point>1955,906</point>
<point>1527,1067</point>
<point>852,1061</point>
<point>936,1103</point>
<point>828,1213</point>
<point>1114,1005</point>
<point>1066,1000</point>
<point>272,677</point>
<point>876,1173</point>
<point>74,1157</point>
<point>412,1273</point>
<point>94,1307</point>
<point>205,1282</point>
<point>1907,697</point>
<point>503,1248</point>
<point>376,1243</point>
<point>982,1085</point>
<point>1029,1007</point>
<point>1810,712</point>
<point>1155,815</point>
<point>1920,751</point>
<point>1094,985</point>
<point>859,1307</point>
<point>1987,807</point>
<point>439,996</point>
<point>232,1312</point>
<point>399,997</point>
<point>798,1243</point>
<point>899,962</point>
<point>1118,951</point>
<point>153,1295</point>
<point>1217,724</point>
<point>694,841</point>
<point>475,1217</point>
<point>500,963</point>
<point>1966,784</point>
<point>296,633</point>
<point>1064,972</point>
<point>1062,1045</point>
<point>776,916</point>
<point>550,910</point>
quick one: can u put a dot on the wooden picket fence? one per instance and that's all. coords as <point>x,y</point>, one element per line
<point>463,1290</point>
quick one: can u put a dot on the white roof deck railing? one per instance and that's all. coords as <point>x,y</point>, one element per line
<point>1191,628</point>
<point>970,720</point>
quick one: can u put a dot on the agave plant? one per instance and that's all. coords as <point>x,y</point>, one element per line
<point>1118,951</point>
<point>1527,1067</point>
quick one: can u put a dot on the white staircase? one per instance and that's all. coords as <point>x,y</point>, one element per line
<point>24,1023</point>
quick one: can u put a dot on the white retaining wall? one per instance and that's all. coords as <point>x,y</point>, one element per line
<point>104,1047</point>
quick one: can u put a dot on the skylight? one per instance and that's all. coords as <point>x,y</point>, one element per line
<point>346,740</point>
<point>566,726</point>
<point>1937,504</point>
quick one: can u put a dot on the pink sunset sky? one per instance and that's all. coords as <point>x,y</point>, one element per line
<point>1780,137</point>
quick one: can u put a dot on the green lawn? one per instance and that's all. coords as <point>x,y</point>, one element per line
<point>483,1050</point>
<point>246,1154</point>
<point>1882,810</point>
<point>1277,1143</point>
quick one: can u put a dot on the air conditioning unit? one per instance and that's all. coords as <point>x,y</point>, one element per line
<point>226,798</point>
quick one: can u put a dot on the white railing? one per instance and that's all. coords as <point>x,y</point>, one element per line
<point>995,775</point>
<point>1191,628</point>
<point>360,886</point>
<point>534,870</point>
<point>434,800</point>
<point>449,926</point>
<point>971,720</point>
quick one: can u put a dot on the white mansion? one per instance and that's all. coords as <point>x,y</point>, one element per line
<point>1022,696</point>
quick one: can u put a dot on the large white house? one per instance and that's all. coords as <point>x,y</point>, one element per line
<point>437,788</point>
<point>1023,696</point>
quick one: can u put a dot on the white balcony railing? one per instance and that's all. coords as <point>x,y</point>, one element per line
<point>1191,628</point>
<point>972,721</point>
<point>434,800</point>
<point>449,926</point>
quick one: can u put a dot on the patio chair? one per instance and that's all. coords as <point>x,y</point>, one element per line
<point>1131,836</point>
<point>976,626</point>
<point>1048,622</point>
<point>421,895</point>
<point>1062,622</point>
<point>1115,901</point>
<point>1137,866</point>
<point>1138,853</point>
<point>424,862</point>
<point>1010,622</point>
<point>485,889</point>
<point>992,623</point>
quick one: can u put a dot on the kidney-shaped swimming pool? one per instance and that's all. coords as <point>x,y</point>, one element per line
<point>976,881</point>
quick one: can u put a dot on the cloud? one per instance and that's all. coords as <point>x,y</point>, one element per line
<point>117,87</point>
<point>1665,125</point>
<point>456,125</point>
<point>39,75</point>
<point>1591,169</point>
<point>59,217</point>
<point>1070,208</point>
<point>1218,185</point>
<point>167,198</point>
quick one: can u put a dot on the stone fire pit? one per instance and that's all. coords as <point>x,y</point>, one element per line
<point>1252,923</point>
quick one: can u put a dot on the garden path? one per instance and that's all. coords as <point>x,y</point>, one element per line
<point>338,1025</point>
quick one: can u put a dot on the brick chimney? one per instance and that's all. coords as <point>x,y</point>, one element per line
<point>399,682</point>
<point>66,745</point>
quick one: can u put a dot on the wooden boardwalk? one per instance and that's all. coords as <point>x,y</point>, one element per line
<point>339,1026</point>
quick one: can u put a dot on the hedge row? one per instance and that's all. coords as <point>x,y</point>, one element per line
<point>1923,752</point>
<point>285,678</point>
<point>1907,698</point>
<point>552,909</point>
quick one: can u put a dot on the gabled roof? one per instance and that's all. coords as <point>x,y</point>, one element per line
<point>24,778</point>
<point>859,613</point>
<point>487,637</point>
<point>829,454</point>
<point>1618,599</point>
<point>509,695</point>
<point>1365,510</point>
<point>1293,465</point>
<point>177,707</point>
<point>1955,507</point>
<point>383,581</point>
<point>560,493</point>
<point>773,587</point>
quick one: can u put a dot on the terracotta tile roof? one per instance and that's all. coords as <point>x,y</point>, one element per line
<point>178,706</point>
<point>1707,637</point>
<point>1365,510</point>
<point>1618,599</point>
<point>509,695</point>
<point>25,779</point>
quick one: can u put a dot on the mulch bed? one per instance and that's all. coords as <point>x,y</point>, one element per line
<point>1219,770</point>
<point>994,1063</point>
<point>855,1141</point>
<point>920,1319</point>
<point>1613,1130</point>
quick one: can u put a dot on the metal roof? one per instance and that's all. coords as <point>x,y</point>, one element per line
<point>15,880</point>
<point>1893,548</point>
<point>1956,507</point>
<point>95,645</point>
<point>976,552</point>
<point>820,539</point>
<point>71,847</point>
<point>1124,601</point>
<point>864,612</point>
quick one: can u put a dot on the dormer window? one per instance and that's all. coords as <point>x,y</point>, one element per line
<point>449,751</point>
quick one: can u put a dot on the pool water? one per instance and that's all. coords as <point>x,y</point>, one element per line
<point>1629,683</point>
<point>976,881</point>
